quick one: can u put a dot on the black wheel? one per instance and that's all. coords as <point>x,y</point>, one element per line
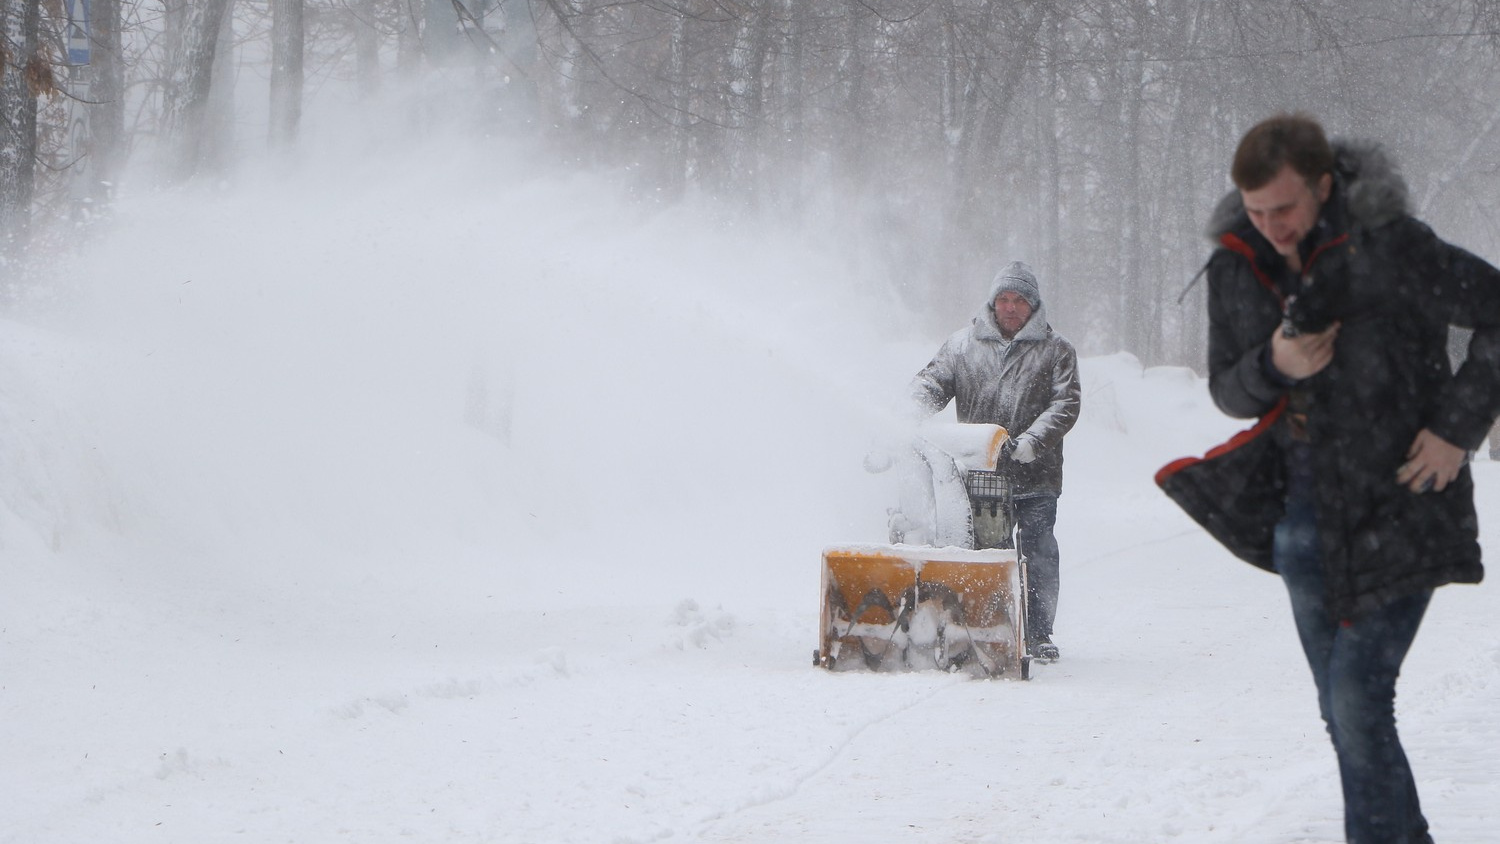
<point>1025,668</point>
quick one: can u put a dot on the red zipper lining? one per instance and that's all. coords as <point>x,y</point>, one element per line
<point>1236,244</point>
<point>1233,443</point>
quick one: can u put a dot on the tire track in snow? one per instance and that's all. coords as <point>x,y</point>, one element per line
<point>1136,546</point>
<point>773,794</point>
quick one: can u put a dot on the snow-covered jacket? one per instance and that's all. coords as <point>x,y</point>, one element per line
<point>1029,387</point>
<point>1395,287</point>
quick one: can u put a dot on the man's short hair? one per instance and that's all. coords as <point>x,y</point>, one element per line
<point>1286,139</point>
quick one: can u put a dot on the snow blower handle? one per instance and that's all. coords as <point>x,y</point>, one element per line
<point>1007,450</point>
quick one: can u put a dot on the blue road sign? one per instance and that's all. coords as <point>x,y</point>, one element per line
<point>79,43</point>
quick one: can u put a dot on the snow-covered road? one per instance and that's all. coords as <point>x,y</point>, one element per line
<point>398,533</point>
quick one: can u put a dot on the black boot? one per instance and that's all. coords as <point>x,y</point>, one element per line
<point>1042,649</point>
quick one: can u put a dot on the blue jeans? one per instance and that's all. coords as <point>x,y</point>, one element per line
<point>1036,517</point>
<point>1354,664</point>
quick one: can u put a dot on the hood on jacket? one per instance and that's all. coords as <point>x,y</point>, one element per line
<point>1035,328</point>
<point>1364,175</point>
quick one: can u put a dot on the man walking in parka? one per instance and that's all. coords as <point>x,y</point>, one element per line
<point>1009,368</point>
<point>1329,308</point>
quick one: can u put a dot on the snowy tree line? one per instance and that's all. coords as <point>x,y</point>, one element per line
<point>1089,138</point>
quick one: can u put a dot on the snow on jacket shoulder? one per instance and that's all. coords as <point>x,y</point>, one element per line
<point>1029,387</point>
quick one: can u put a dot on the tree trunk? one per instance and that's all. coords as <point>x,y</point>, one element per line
<point>794,103</point>
<point>679,168</point>
<point>366,47</point>
<point>287,34</point>
<point>1052,206</point>
<point>219,134</point>
<point>107,142</point>
<point>189,84</point>
<point>20,21</point>
<point>746,101</point>
<point>980,158</point>
<point>409,36</point>
<point>1139,293</point>
<point>854,119</point>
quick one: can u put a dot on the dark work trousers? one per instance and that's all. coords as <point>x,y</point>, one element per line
<point>1036,516</point>
<point>1354,665</point>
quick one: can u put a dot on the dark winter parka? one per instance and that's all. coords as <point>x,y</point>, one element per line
<point>1396,288</point>
<point>1029,386</point>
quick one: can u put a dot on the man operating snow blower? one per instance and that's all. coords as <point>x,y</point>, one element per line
<point>1009,368</point>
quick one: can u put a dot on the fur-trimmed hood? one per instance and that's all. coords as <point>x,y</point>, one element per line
<point>1365,179</point>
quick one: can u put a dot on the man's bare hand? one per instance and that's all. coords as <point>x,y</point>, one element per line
<point>1431,463</point>
<point>1305,355</point>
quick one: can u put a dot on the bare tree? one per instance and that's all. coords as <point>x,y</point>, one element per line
<point>108,141</point>
<point>287,37</point>
<point>26,75</point>
<point>363,16</point>
<point>1089,138</point>
<point>189,82</point>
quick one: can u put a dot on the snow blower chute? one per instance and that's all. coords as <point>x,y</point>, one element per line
<point>929,599</point>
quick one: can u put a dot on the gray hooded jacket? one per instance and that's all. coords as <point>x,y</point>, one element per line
<point>1029,387</point>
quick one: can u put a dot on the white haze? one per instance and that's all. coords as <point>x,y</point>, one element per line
<point>436,493</point>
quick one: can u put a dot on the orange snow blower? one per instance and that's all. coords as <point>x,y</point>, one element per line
<point>930,599</point>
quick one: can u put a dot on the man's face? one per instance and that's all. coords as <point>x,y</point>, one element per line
<point>1011,313</point>
<point>1286,208</point>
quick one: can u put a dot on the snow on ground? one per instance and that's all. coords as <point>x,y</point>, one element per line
<point>475,503</point>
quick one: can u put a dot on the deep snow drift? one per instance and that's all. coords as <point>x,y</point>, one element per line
<point>460,501</point>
